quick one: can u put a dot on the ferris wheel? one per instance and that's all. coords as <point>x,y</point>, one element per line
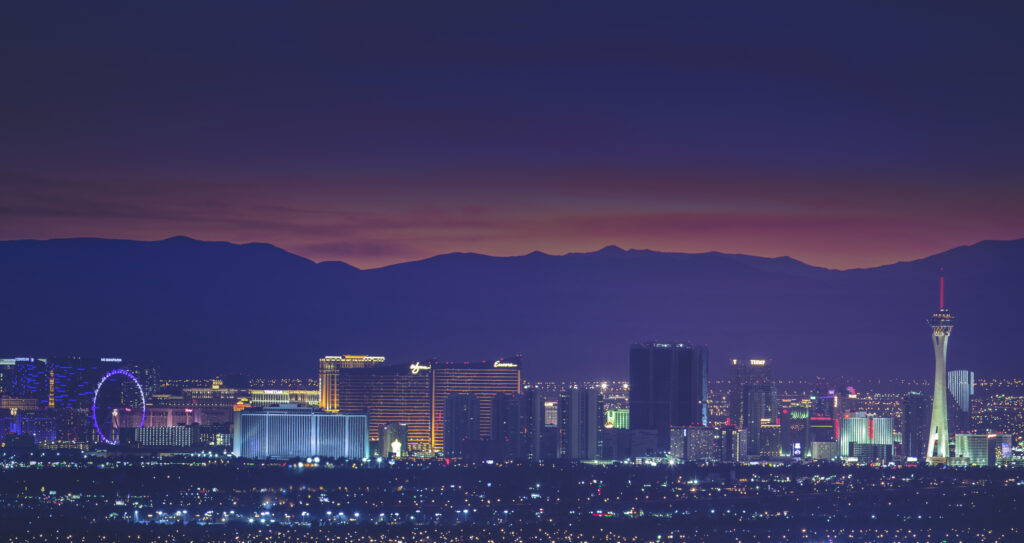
<point>117,394</point>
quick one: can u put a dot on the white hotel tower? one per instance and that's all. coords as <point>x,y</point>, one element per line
<point>938,431</point>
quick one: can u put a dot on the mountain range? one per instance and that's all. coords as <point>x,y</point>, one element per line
<point>198,308</point>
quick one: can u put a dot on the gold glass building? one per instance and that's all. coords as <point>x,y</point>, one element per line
<point>483,379</point>
<point>414,394</point>
<point>329,368</point>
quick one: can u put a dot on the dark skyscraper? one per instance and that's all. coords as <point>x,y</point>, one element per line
<point>761,410</point>
<point>461,422</point>
<point>742,373</point>
<point>581,419</point>
<point>915,410</point>
<point>504,417</point>
<point>516,423</point>
<point>668,386</point>
<point>531,425</point>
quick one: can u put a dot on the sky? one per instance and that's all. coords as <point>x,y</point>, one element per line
<point>841,135</point>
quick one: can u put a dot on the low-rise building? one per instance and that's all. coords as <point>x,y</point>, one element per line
<point>292,431</point>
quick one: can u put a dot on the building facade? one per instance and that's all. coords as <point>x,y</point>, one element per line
<point>741,374</point>
<point>983,449</point>
<point>915,410</point>
<point>761,418</point>
<point>393,439</point>
<point>861,434</point>
<point>161,437</point>
<point>696,444</point>
<point>264,398</point>
<point>517,423</point>
<point>961,390</point>
<point>461,422</point>
<point>668,386</point>
<point>619,418</point>
<point>293,431</point>
<point>415,394</point>
<point>581,419</point>
<point>330,366</point>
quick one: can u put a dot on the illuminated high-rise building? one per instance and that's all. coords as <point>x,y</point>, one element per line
<point>795,431</point>
<point>329,368</point>
<point>482,379</point>
<point>415,394</point>
<point>668,386</point>
<point>761,414</point>
<point>392,393</point>
<point>961,390</point>
<point>938,431</point>
<point>865,437</point>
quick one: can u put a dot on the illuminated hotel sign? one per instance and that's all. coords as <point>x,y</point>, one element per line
<point>354,358</point>
<point>756,362</point>
<point>415,367</point>
<point>503,364</point>
<point>110,360</point>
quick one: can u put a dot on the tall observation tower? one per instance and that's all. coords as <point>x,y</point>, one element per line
<point>938,431</point>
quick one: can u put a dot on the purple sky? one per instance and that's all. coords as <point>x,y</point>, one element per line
<point>841,136</point>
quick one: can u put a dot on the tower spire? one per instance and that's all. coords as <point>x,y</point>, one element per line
<point>942,291</point>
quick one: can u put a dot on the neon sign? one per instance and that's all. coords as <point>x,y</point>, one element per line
<point>416,367</point>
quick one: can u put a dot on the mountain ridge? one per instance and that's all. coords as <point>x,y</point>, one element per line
<point>608,250</point>
<point>210,307</point>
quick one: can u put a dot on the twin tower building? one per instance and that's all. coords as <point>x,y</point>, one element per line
<point>416,396</point>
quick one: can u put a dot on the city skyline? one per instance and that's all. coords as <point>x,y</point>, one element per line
<point>607,272</point>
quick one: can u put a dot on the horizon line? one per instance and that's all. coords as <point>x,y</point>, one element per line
<point>607,248</point>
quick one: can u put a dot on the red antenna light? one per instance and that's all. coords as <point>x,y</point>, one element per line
<point>942,291</point>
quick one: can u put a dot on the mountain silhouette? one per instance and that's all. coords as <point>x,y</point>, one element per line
<point>198,308</point>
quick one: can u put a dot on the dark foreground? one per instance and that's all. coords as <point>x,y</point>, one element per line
<point>208,499</point>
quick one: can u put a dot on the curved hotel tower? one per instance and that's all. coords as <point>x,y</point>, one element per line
<point>938,431</point>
